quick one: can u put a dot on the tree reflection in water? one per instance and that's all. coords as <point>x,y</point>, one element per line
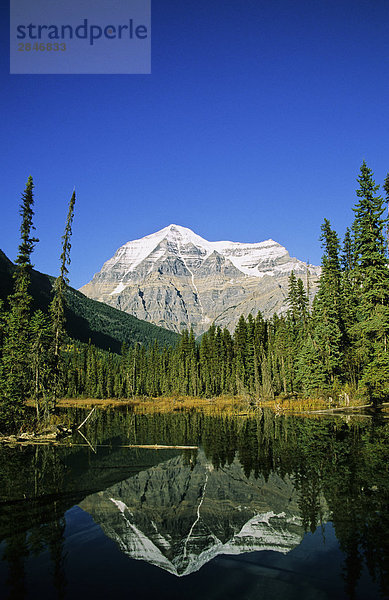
<point>331,469</point>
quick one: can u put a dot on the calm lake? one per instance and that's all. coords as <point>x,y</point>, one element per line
<point>266,507</point>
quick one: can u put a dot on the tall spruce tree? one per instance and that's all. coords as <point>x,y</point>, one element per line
<point>193,371</point>
<point>292,298</point>
<point>302,305</point>
<point>327,308</point>
<point>57,306</point>
<point>240,345</point>
<point>349,305</point>
<point>3,316</point>
<point>348,252</point>
<point>386,188</point>
<point>371,332</point>
<point>16,362</point>
<point>370,244</point>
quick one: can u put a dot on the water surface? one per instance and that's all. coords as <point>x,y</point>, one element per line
<point>266,507</point>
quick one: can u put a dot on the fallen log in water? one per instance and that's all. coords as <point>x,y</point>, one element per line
<point>52,434</point>
<point>338,409</point>
<point>85,420</point>
<point>159,447</point>
<point>53,442</point>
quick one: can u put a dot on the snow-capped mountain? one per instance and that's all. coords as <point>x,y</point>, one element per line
<point>176,279</point>
<point>179,516</point>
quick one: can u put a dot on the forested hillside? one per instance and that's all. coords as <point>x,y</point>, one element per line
<point>87,319</point>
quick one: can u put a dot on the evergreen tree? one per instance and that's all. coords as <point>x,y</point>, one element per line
<point>327,320</point>
<point>250,360</point>
<point>228,354</point>
<point>371,331</point>
<point>16,357</point>
<point>311,377</point>
<point>348,253</point>
<point>240,345</point>
<point>348,279</point>
<point>27,243</point>
<point>386,189</point>
<point>370,245</point>
<point>192,365</point>
<point>40,343</point>
<point>3,319</point>
<point>286,351</point>
<point>302,305</point>
<point>350,301</point>
<point>57,306</point>
<point>292,298</point>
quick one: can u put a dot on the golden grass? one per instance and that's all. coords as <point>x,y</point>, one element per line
<point>299,405</point>
<point>163,405</point>
<point>222,404</point>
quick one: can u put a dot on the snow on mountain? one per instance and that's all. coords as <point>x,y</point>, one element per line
<point>246,257</point>
<point>177,279</point>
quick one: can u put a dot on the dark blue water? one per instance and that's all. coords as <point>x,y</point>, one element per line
<point>265,508</point>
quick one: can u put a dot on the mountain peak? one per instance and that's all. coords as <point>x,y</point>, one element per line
<point>180,228</point>
<point>179,233</point>
<point>175,229</point>
<point>168,278</point>
<point>183,235</point>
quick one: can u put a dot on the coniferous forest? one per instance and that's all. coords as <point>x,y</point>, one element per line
<point>335,346</point>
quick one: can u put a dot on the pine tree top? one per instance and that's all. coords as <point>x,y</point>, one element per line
<point>27,243</point>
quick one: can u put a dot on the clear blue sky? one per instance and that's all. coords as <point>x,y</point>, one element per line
<point>253,125</point>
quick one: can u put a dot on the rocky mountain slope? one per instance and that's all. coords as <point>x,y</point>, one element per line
<point>179,516</point>
<point>175,279</point>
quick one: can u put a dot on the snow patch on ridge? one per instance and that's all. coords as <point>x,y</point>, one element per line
<point>253,259</point>
<point>119,288</point>
<point>134,252</point>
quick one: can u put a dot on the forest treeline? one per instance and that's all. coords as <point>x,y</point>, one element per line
<point>336,346</point>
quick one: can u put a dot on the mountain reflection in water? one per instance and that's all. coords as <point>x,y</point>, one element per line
<point>179,518</point>
<point>265,486</point>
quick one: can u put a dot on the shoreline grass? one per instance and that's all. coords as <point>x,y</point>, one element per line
<point>221,404</point>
